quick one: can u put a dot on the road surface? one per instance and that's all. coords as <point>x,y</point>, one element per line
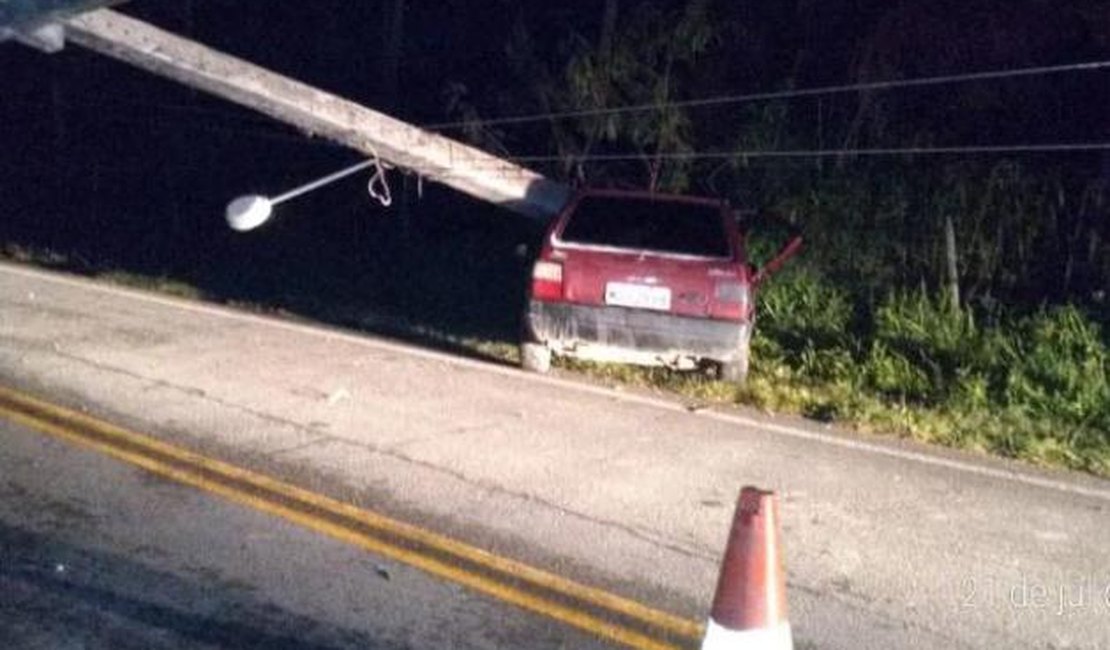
<point>96,554</point>
<point>888,544</point>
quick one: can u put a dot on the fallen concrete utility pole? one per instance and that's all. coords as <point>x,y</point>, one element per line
<point>428,154</point>
<point>28,15</point>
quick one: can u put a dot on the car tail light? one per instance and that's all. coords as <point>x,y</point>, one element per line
<point>547,280</point>
<point>732,300</point>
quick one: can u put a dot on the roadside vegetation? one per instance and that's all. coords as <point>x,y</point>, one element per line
<point>1009,355</point>
<point>1032,385</point>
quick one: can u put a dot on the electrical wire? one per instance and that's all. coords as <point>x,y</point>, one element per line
<point>766,96</point>
<point>1030,148</point>
<point>439,173</point>
<point>722,100</point>
<point>444,173</point>
<point>1061,147</point>
<point>377,181</point>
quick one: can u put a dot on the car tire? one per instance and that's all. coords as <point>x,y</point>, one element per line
<point>535,357</point>
<point>735,371</point>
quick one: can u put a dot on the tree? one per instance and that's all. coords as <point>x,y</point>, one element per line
<point>640,56</point>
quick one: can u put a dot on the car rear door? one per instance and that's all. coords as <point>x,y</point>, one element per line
<point>667,255</point>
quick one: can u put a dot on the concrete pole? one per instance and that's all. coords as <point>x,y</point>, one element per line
<point>316,112</point>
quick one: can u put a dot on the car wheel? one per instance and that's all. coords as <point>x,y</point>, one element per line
<point>735,371</point>
<point>535,357</point>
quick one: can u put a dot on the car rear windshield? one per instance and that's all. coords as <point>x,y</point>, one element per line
<point>643,224</point>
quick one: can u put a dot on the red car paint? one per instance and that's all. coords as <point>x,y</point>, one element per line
<point>691,277</point>
<point>639,272</point>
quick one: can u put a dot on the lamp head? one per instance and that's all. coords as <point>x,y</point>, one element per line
<point>249,212</point>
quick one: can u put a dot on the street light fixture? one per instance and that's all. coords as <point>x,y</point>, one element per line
<point>251,211</point>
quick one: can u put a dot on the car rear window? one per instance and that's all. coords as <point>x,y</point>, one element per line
<point>644,224</point>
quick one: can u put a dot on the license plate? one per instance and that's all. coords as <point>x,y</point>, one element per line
<point>623,294</point>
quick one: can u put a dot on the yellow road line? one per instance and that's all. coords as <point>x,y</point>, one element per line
<point>590,609</point>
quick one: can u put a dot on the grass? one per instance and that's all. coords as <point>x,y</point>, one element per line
<point>159,284</point>
<point>1034,387</point>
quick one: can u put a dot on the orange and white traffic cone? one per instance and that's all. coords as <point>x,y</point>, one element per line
<point>749,609</point>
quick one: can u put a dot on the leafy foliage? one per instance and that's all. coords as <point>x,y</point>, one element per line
<point>1035,386</point>
<point>642,56</point>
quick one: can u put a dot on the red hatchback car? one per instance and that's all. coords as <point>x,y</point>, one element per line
<point>643,278</point>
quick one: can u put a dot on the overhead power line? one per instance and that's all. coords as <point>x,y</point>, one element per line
<point>1062,147</point>
<point>722,100</point>
<point>446,172</point>
<point>1065,147</point>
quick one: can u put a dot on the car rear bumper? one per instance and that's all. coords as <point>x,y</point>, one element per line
<point>569,329</point>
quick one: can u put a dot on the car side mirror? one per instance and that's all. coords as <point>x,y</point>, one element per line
<point>748,220</point>
<point>788,250</point>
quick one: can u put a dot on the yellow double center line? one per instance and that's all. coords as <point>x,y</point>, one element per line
<point>598,612</point>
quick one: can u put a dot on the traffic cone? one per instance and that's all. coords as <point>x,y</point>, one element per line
<point>749,608</point>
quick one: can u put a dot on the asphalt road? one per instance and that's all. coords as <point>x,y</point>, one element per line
<point>97,554</point>
<point>888,544</point>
